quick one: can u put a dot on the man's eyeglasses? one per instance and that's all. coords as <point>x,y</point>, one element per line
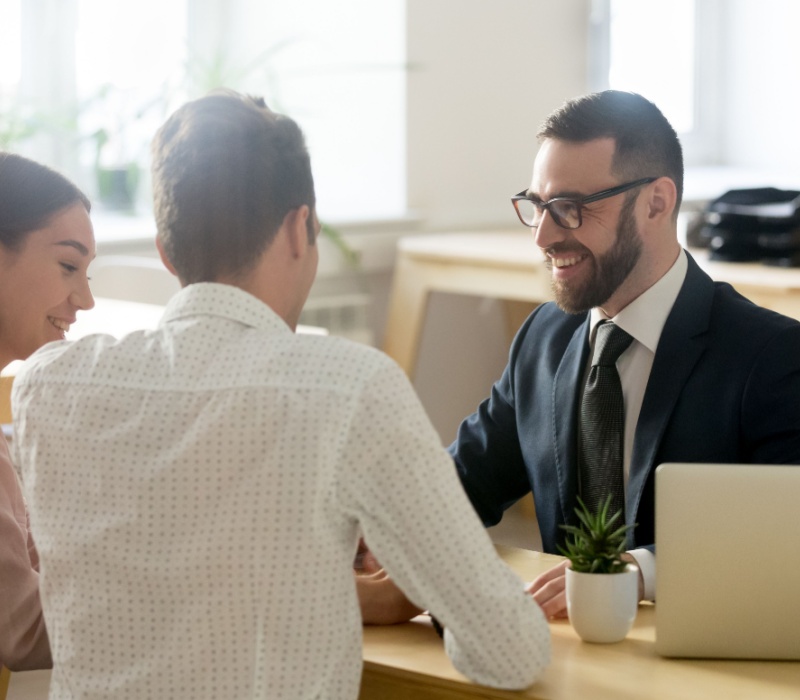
<point>566,211</point>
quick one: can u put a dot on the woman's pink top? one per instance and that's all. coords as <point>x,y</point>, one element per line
<point>23,637</point>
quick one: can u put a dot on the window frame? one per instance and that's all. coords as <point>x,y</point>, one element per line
<point>703,145</point>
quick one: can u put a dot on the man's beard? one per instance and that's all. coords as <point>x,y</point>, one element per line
<point>609,270</point>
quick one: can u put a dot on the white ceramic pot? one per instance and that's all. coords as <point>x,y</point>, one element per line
<point>602,607</point>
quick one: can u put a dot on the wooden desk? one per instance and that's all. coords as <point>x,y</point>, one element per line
<point>5,399</point>
<point>507,265</point>
<point>408,661</point>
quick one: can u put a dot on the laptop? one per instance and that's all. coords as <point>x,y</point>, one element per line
<point>728,561</point>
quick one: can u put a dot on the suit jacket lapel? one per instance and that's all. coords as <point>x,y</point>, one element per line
<point>566,392</point>
<point>682,342</point>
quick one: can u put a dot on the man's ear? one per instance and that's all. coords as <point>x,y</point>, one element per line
<point>163,255</point>
<point>295,224</point>
<point>663,198</point>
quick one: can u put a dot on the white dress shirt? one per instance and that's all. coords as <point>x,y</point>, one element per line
<point>644,320</point>
<point>197,493</point>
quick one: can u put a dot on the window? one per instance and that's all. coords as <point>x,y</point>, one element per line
<point>124,79</point>
<point>665,52</point>
<point>10,70</point>
<point>668,80</point>
<point>10,45</point>
<point>106,74</point>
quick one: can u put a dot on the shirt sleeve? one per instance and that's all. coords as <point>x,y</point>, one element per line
<point>646,561</point>
<point>402,486</point>
<point>23,637</point>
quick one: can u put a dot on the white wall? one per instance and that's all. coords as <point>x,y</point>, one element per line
<point>484,75</point>
<point>761,59</point>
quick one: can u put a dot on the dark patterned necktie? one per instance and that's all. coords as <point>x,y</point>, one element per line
<point>602,423</point>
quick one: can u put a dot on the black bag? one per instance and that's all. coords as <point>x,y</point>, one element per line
<point>754,225</point>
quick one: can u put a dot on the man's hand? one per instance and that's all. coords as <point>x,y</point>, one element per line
<point>382,602</point>
<point>365,561</point>
<point>549,590</point>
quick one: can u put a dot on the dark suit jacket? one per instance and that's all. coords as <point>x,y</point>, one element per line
<point>724,387</point>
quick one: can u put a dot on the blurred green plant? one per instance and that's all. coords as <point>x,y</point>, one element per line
<point>350,256</point>
<point>108,118</point>
<point>16,127</point>
<point>203,74</point>
<point>20,122</point>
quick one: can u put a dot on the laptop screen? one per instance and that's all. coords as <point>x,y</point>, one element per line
<point>728,561</point>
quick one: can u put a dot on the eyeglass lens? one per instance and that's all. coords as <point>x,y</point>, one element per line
<point>565,212</point>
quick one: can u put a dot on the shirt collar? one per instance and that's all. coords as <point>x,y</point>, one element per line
<point>223,300</point>
<point>645,316</point>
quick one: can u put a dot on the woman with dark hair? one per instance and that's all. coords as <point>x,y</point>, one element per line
<point>46,245</point>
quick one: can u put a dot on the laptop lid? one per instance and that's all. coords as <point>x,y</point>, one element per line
<point>728,561</point>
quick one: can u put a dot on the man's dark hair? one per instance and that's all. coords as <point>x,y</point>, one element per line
<point>226,171</point>
<point>646,143</point>
<point>30,195</point>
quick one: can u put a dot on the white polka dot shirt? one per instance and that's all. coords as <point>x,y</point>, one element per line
<point>197,493</point>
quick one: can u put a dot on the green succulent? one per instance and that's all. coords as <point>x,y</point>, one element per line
<point>596,544</point>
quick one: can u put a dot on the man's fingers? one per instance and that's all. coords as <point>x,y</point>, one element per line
<point>382,602</point>
<point>554,607</point>
<point>543,579</point>
<point>365,561</point>
<point>549,591</point>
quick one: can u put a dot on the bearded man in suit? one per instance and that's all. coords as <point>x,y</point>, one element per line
<point>707,376</point>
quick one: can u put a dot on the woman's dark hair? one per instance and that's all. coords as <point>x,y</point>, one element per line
<point>30,194</point>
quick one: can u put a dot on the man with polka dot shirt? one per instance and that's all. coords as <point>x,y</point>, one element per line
<point>197,492</point>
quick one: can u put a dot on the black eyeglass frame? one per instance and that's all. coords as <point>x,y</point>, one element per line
<point>578,201</point>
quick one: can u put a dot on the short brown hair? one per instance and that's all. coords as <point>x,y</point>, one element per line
<point>226,171</point>
<point>30,195</point>
<point>646,143</point>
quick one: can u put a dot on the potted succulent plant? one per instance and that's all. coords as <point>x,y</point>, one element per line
<point>602,589</point>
